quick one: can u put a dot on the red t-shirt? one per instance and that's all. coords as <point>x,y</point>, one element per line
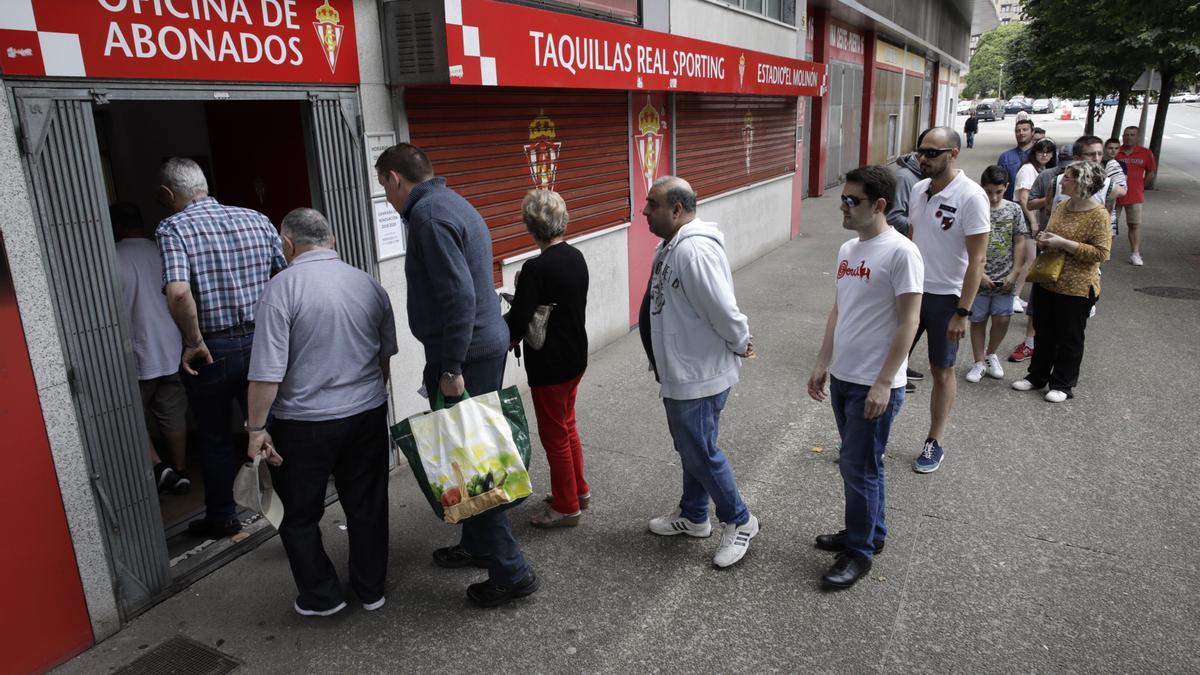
<point>1137,162</point>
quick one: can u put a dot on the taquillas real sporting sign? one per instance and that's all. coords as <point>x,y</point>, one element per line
<point>231,40</point>
<point>498,44</point>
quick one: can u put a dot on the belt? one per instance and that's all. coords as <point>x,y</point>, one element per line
<point>241,329</point>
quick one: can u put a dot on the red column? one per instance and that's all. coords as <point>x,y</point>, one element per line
<point>868,107</point>
<point>820,106</point>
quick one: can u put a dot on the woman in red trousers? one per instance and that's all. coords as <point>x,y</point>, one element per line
<point>559,278</point>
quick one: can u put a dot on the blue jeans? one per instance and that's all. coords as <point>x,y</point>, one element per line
<point>210,393</point>
<point>489,534</point>
<point>861,463</point>
<point>694,425</point>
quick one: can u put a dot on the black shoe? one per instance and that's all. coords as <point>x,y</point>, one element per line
<point>165,477</point>
<point>214,528</point>
<point>454,557</point>
<point>914,375</point>
<point>837,542</point>
<point>909,387</point>
<point>183,485</point>
<point>846,570</point>
<point>488,594</point>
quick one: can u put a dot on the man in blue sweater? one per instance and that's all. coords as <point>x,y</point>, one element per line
<point>1013,158</point>
<point>453,310</point>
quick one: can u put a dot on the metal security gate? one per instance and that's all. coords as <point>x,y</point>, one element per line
<point>845,120</point>
<point>338,156</point>
<point>58,139</point>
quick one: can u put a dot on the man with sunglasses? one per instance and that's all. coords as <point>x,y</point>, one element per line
<point>864,353</point>
<point>950,218</point>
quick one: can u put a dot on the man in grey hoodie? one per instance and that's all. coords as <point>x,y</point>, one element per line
<point>697,335</point>
<point>908,172</point>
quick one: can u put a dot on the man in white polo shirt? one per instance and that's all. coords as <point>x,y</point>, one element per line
<point>319,365</point>
<point>950,218</point>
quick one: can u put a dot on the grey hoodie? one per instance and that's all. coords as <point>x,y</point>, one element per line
<point>696,329</point>
<point>908,174</point>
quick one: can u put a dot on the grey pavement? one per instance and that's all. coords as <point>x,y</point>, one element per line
<point>1055,538</point>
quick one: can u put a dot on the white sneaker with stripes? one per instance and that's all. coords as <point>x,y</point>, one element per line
<point>735,541</point>
<point>675,523</point>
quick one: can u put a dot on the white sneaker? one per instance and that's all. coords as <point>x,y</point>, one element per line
<point>994,369</point>
<point>1056,396</point>
<point>1018,305</point>
<point>1022,385</point>
<point>975,374</point>
<point>735,541</point>
<point>372,606</point>
<point>317,612</point>
<point>674,524</point>
<point>1135,259</point>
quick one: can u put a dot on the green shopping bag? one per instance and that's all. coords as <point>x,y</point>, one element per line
<point>471,457</point>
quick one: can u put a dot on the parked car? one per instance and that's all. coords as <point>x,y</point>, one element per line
<point>965,107</point>
<point>1111,100</point>
<point>1191,97</point>
<point>1015,106</point>
<point>1177,98</point>
<point>989,111</point>
<point>1041,105</point>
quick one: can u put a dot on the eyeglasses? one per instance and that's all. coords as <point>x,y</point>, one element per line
<point>851,201</point>
<point>932,153</point>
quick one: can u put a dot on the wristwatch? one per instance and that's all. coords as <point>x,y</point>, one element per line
<point>962,311</point>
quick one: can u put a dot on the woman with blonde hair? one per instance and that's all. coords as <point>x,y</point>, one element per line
<point>557,277</point>
<point>1079,231</point>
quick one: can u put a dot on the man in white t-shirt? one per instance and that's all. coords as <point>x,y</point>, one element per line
<point>950,219</point>
<point>874,318</point>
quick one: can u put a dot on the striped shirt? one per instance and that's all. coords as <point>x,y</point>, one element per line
<point>226,253</point>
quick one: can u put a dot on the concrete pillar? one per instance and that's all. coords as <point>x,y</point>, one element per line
<point>820,106</point>
<point>868,106</point>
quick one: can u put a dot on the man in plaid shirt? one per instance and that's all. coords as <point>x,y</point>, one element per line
<point>216,261</point>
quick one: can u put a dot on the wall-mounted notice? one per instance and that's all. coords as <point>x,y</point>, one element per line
<point>390,231</point>
<point>376,143</point>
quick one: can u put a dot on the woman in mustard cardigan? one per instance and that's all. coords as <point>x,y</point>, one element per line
<point>1079,229</point>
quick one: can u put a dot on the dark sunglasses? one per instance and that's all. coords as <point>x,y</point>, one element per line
<point>851,201</point>
<point>932,153</point>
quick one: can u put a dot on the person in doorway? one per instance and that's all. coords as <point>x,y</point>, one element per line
<point>950,220</point>
<point>875,313</point>
<point>697,335</point>
<point>216,261</point>
<point>970,128</point>
<point>454,312</point>
<point>1008,258</point>
<point>324,334</point>
<point>1012,159</point>
<point>559,278</point>
<point>1078,230</point>
<point>156,346</point>
<point>1141,166</point>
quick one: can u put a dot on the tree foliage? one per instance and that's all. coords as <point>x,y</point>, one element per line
<point>990,61</point>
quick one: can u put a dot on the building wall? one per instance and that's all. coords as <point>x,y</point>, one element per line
<point>50,373</point>
<point>754,220</point>
<point>716,22</point>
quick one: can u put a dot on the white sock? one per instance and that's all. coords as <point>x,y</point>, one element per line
<point>1029,342</point>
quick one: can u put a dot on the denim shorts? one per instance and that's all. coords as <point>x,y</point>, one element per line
<point>936,312</point>
<point>991,305</point>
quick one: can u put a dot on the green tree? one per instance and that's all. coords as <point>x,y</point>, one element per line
<point>991,55</point>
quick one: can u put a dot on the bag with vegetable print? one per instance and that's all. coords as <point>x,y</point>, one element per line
<point>470,457</point>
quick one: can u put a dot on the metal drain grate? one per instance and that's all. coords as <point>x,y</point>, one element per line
<point>1172,292</point>
<point>181,656</point>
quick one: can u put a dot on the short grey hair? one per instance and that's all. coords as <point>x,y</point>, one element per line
<point>307,227</point>
<point>183,176</point>
<point>676,193</point>
<point>545,214</point>
<point>1088,176</point>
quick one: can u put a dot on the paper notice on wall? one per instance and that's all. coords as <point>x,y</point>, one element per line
<point>390,231</point>
<point>375,145</point>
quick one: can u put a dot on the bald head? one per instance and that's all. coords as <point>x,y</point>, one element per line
<point>670,204</point>
<point>676,191</point>
<point>945,137</point>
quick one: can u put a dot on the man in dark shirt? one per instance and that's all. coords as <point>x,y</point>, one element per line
<point>1013,158</point>
<point>453,310</point>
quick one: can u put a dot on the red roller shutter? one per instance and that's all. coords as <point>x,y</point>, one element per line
<point>726,142</point>
<point>481,139</point>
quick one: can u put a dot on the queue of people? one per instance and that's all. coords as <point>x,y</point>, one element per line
<point>275,322</point>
